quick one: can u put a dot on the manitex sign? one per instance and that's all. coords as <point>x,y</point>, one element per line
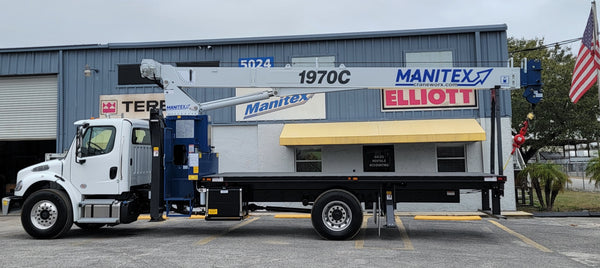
<point>292,107</point>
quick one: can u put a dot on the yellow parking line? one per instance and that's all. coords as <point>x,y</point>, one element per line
<point>360,243</point>
<point>292,216</point>
<point>520,236</point>
<point>447,218</point>
<point>213,237</point>
<point>147,217</point>
<point>407,243</point>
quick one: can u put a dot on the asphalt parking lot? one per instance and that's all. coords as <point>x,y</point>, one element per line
<point>263,240</point>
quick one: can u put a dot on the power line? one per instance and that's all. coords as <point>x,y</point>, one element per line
<point>559,43</point>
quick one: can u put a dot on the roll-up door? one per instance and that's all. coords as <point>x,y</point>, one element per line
<point>28,107</point>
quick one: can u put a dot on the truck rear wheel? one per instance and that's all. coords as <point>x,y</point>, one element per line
<point>46,214</point>
<point>337,215</point>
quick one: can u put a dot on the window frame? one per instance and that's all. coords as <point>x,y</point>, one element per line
<point>444,158</point>
<point>134,136</point>
<point>87,139</point>
<point>308,148</point>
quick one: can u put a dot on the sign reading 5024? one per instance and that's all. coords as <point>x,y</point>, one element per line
<point>324,77</point>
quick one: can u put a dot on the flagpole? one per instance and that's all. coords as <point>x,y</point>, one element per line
<point>595,46</point>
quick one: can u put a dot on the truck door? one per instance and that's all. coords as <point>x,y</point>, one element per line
<point>97,164</point>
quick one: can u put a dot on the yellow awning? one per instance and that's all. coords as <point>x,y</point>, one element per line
<point>382,132</point>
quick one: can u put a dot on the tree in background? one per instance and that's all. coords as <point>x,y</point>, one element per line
<point>548,177</point>
<point>558,121</point>
<point>593,170</point>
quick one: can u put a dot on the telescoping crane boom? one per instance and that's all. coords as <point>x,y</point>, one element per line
<point>284,81</point>
<point>113,171</point>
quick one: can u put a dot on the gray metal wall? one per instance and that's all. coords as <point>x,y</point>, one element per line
<point>79,95</point>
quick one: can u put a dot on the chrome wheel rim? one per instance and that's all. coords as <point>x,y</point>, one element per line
<point>44,214</point>
<point>337,216</point>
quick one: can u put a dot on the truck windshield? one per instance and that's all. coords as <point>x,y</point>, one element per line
<point>98,140</point>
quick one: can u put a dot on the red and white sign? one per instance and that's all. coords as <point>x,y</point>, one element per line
<point>131,105</point>
<point>109,107</point>
<point>400,99</point>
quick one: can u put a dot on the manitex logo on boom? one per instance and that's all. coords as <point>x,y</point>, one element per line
<point>178,107</point>
<point>272,105</point>
<point>441,77</point>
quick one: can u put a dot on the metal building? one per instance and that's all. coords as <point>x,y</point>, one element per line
<point>43,90</point>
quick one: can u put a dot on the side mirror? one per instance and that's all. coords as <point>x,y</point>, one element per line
<point>79,143</point>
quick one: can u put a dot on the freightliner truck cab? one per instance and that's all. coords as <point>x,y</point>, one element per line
<point>104,179</point>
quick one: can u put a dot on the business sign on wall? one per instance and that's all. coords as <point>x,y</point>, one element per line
<point>130,105</point>
<point>402,99</point>
<point>293,107</point>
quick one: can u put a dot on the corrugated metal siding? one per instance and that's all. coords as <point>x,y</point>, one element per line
<point>26,63</point>
<point>475,46</point>
<point>28,108</point>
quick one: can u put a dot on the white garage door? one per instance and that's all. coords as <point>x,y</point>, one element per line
<point>28,108</point>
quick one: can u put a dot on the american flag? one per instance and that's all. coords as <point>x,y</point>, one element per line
<point>587,64</point>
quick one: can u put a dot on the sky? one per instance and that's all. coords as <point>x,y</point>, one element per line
<point>36,23</point>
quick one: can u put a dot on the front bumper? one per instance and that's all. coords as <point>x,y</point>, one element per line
<point>8,203</point>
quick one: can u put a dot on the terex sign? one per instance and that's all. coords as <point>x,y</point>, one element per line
<point>131,105</point>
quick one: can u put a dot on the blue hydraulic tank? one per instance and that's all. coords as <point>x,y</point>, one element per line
<point>188,156</point>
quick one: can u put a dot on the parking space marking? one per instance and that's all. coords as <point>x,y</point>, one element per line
<point>360,243</point>
<point>522,237</point>
<point>213,237</point>
<point>407,243</point>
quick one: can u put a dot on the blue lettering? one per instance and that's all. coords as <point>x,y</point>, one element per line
<point>429,74</point>
<point>467,74</point>
<point>274,104</point>
<point>455,76</point>
<point>294,98</point>
<point>402,76</point>
<point>252,108</point>
<point>445,71</point>
<point>416,76</point>
<point>264,106</point>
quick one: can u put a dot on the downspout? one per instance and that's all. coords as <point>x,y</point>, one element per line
<point>60,135</point>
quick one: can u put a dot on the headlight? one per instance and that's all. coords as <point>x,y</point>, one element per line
<point>19,186</point>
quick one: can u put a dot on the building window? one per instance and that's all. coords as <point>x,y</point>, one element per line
<point>308,159</point>
<point>129,74</point>
<point>429,59</point>
<point>323,61</point>
<point>378,158</point>
<point>451,158</point>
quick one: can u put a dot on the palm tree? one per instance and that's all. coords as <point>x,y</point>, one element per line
<point>546,176</point>
<point>593,170</point>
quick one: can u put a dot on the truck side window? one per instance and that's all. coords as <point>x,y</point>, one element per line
<point>97,141</point>
<point>140,136</point>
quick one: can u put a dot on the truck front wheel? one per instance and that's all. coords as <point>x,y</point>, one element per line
<point>337,215</point>
<point>47,213</point>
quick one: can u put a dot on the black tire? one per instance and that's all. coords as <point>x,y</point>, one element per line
<point>89,226</point>
<point>47,214</point>
<point>337,215</point>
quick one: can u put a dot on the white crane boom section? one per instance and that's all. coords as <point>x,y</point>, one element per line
<point>289,81</point>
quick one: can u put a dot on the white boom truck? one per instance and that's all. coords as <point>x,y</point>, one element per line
<point>116,169</point>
